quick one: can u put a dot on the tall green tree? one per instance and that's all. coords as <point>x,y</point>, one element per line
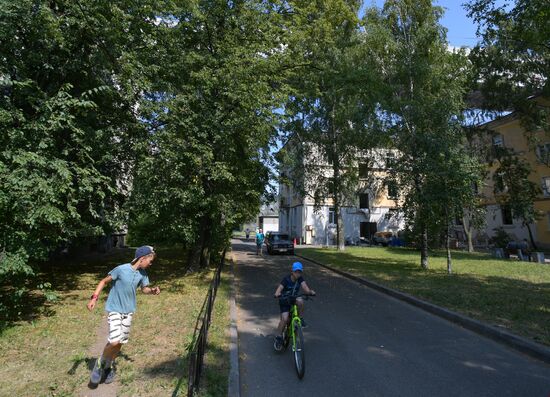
<point>422,98</point>
<point>513,189</point>
<point>512,60</point>
<point>67,96</point>
<point>211,112</point>
<point>327,114</point>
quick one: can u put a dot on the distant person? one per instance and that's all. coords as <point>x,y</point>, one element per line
<point>247,232</point>
<point>260,237</point>
<point>121,305</point>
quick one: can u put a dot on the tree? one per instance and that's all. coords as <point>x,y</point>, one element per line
<point>423,86</point>
<point>211,112</point>
<point>514,189</point>
<point>512,60</point>
<point>327,116</point>
<point>68,126</point>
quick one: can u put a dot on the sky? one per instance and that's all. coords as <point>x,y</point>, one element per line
<point>461,29</point>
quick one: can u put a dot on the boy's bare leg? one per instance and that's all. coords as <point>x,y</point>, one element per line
<point>282,322</point>
<point>301,306</point>
<point>111,351</point>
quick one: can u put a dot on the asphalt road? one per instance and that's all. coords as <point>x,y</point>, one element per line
<point>363,343</point>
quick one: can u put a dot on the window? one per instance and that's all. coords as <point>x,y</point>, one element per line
<point>331,215</point>
<point>498,141</point>
<point>392,190</point>
<point>543,153</point>
<point>363,170</point>
<point>458,220</point>
<point>506,212</point>
<point>364,200</point>
<point>500,183</point>
<point>546,186</point>
<point>391,214</point>
<point>390,160</point>
<point>331,184</point>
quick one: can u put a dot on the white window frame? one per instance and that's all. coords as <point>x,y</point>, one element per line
<point>331,216</point>
<point>543,153</point>
<point>545,185</point>
<point>498,140</point>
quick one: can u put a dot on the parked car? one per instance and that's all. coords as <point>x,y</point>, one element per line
<point>382,238</point>
<point>279,242</point>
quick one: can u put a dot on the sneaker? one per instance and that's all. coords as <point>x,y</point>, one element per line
<point>278,344</point>
<point>304,324</point>
<point>97,373</point>
<point>110,374</point>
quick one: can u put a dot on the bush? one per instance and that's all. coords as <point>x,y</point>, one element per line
<point>500,239</point>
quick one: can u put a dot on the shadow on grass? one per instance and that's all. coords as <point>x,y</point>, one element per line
<point>518,305</point>
<point>90,362</point>
<point>213,378</point>
<point>70,276</point>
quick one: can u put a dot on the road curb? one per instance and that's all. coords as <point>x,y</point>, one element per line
<point>516,342</point>
<point>233,389</point>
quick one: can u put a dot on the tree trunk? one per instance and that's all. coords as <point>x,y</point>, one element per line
<point>533,244</point>
<point>424,248</point>
<point>339,228</point>
<point>340,243</point>
<point>199,254</point>
<point>206,242</point>
<point>193,258</point>
<point>468,232</point>
<point>448,247</point>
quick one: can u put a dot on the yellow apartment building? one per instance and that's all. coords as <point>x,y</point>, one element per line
<point>508,132</point>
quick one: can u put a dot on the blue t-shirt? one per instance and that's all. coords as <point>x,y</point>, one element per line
<point>259,238</point>
<point>122,297</point>
<point>291,288</point>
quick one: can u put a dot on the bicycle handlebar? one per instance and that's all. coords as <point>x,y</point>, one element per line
<point>306,296</point>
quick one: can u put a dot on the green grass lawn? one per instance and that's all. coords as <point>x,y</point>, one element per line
<point>48,355</point>
<point>505,293</point>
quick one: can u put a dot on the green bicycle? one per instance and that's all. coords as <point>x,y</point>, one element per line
<point>293,335</point>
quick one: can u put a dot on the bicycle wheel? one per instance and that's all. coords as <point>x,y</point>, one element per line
<point>299,353</point>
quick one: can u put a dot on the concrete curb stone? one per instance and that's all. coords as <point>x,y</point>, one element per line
<point>233,389</point>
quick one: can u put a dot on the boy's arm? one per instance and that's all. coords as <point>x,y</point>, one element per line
<point>278,291</point>
<point>306,289</point>
<point>151,291</point>
<point>98,289</point>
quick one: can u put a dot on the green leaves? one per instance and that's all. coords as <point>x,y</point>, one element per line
<point>512,62</point>
<point>68,125</point>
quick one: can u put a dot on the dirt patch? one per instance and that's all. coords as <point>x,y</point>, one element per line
<point>102,390</point>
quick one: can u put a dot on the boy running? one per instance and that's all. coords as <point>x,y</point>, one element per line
<point>120,306</point>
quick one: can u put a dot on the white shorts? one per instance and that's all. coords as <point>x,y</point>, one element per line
<point>119,327</point>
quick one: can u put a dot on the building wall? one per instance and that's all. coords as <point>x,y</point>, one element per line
<point>270,224</point>
<point>512,136</point>
<point>298,217</point>
<point>313,227</point>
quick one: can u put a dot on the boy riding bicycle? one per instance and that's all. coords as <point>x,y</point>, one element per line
<point>290,287</point>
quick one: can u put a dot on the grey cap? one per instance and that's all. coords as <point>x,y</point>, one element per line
<point>144,250</point>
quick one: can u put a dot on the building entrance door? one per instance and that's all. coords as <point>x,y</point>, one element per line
<point>367,230</point>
